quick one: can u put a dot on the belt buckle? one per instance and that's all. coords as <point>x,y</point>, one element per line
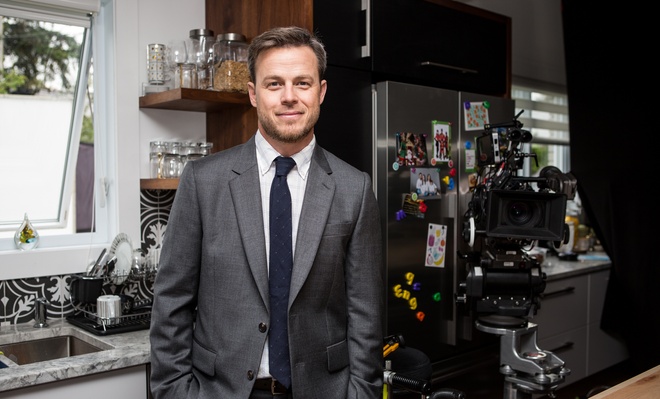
<point>273,388</point>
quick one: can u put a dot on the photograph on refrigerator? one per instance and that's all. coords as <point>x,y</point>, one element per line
<point>411,149</point>
<point>425,182</point>
<point>441,140</point>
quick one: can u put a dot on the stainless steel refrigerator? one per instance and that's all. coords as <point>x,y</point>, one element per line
<point>429,135</point>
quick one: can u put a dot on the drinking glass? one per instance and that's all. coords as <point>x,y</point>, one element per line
<point>179,53</point>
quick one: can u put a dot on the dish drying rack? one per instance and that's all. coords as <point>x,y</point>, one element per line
<point>137,318</point>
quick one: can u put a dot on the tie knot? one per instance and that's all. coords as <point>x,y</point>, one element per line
<point>283,166</point>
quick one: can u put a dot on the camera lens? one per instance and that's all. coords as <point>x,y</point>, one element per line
<point>523,213</point>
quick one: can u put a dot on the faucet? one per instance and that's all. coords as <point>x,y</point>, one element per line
<point>40,313</point>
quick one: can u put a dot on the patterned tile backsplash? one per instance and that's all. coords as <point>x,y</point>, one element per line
<point>18,297</point>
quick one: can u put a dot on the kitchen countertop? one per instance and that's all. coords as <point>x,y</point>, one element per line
<point>132,348</point>
<point>125,350</point>
<point>555,268</point>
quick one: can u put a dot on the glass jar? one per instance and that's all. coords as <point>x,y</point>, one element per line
<point>157,149</point>
<point>230,72</point>
<point>186,77</point>
<point>172,166</point>
<point>203,40</point>
<point>205,148</point>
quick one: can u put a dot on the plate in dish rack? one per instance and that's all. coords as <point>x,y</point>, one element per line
<point>122,248</point>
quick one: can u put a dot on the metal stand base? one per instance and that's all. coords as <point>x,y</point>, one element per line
<point>527,369</point>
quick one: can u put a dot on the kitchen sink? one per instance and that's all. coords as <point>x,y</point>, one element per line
<point>39,350</point>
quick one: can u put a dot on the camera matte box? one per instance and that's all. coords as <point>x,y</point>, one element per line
<point>526,215</point>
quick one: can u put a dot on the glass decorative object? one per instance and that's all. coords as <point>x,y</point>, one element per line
<point>26,237</point>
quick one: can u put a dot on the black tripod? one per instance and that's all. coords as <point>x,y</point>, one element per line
<point>527,369</point>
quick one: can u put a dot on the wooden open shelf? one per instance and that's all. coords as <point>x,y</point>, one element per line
<point>194,100</point>
<point>159,184</point>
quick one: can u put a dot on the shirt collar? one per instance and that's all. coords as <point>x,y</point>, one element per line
<point>266,154</point>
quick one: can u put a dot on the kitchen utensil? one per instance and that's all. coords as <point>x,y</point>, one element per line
<point>110,266</point>
<point>94,270</point>
<point>108,309</point>
<point>122,248</point>
<point>85,289</point>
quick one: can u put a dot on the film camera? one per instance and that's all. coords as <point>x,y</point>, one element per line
<point>506,216</point>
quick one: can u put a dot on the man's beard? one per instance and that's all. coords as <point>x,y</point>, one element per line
<point>286,135</point>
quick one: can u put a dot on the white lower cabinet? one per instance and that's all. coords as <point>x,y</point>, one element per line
<point>605,350</point>
<point>124,383</point>
<point>569,325</point>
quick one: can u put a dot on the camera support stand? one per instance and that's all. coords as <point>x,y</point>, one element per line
<point>527,369</point>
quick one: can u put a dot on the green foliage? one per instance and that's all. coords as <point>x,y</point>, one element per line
<point>87,133</point>
<point>39,55</point>
<point>541,152</point>
<point>11,81</point>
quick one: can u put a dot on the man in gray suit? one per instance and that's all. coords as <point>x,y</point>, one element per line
<point>211,314</point>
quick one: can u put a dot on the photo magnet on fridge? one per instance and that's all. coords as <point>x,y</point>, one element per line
<point>412,149</point>
<point>436,243</point>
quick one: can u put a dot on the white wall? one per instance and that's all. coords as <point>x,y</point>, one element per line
<point>144,22</point>
<point>138,23</point>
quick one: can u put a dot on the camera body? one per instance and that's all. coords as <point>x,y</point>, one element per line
<point>506,216</point>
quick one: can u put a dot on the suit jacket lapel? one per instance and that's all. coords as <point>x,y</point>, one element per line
<point>246,196</point>
<point>316,208</point>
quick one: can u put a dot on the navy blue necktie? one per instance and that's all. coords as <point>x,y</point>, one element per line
<point>281,264</point>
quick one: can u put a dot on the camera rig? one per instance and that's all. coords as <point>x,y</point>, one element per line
<point>507,214</point>
<point>505,218</point>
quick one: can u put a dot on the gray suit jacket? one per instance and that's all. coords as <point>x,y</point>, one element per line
<point>213,276</point>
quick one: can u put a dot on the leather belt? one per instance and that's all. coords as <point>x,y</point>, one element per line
<point>271,385</point>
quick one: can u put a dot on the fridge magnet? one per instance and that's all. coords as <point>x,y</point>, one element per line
<point>411,149</point>
<point>472,180</point>
<point>475,115</point>
<point>425,182</point>
<point>412,207</point>
<point>441,140</point>
<point>470,160</point>
<point>436,242</point>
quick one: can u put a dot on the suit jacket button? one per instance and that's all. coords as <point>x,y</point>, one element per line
<point>250,375</point>
<point>263,327</point>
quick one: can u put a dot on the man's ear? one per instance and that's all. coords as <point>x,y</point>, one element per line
<point>252,93</point>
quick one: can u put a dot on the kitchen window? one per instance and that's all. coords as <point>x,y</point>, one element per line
<point>546,117</point>
<point>55,152</point>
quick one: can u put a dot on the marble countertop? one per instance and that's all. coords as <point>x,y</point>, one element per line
<point>120,351</point>
<point>555,268</point>
<point>132,348</point>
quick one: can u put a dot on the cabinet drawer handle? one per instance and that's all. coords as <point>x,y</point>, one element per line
<point>565,346</point>
<point>567,290</point>
<point>366,49</point>
<point>445,66</point>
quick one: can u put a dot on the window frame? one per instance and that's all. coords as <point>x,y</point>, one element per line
<point>70,253</point>
<point>557,125</point>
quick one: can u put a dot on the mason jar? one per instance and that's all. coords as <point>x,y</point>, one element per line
<point>230,72</point>
<point>156,151</point>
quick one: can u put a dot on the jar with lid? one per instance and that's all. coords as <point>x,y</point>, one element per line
<point>171,162</point>
<point>157,150</point>
<point>231,70</point>
<point>203,40</point>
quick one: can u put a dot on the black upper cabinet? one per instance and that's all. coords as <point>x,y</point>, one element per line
<point>341,25</point>
<point>430,42</point>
